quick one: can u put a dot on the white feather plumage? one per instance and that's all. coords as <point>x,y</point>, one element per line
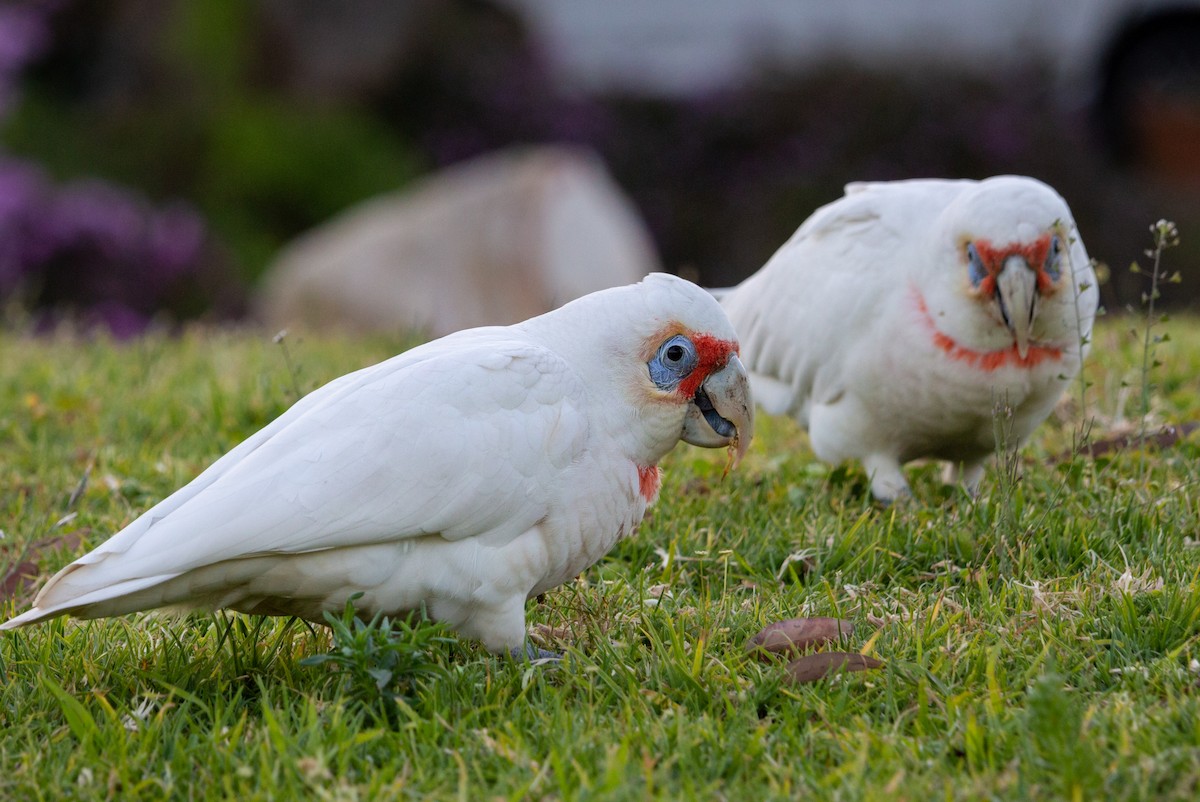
<point>866,327</point>
<point>466,475</point>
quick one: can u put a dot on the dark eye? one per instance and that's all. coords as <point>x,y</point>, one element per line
<point>1054,259</point>
<point>676,358</point>
<point>976,271</point>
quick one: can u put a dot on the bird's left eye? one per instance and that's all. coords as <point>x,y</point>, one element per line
<point>976,270</point>
<point>1054,259</point>
<point>675,359</point>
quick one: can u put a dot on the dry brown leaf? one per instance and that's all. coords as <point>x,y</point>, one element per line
<point>795,635</point>
<point>21,578</point>
<point>813,667</point>
<point>546,636</point>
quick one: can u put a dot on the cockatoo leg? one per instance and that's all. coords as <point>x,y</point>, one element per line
<point>501,628</point>
<point>969,474</point>
<point>499,624</point>
<point>887,478</point>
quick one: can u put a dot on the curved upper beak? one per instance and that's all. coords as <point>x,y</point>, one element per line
<point>722,411</point>
<point>1016,291</point>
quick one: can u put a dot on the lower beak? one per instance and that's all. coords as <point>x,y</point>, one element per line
<point>722,411</point>
<point>1016,290</point>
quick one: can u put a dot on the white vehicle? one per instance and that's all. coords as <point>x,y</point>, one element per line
<point>1119,57</point>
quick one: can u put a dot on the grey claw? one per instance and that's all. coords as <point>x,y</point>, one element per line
<point>534,655</point>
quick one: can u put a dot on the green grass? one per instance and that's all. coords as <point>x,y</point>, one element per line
<point>1040,641</point>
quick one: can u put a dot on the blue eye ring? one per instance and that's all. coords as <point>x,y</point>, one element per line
<point>976,271</point>
<point>676,358</point>
<point>1054,259</point>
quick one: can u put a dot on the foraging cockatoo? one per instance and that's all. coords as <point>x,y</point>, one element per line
<point>465,475</point>
<point>898,319</point>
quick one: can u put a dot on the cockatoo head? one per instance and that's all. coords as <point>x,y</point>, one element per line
<point>1017,258</point>
<point>662,361</point>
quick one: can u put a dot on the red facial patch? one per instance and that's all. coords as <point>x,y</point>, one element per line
<point>1034,254</point>
<point>649,480</point>
<point>986,361</point>
<point>712,354</point>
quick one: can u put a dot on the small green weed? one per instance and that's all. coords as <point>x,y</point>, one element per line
<point>379,660</point>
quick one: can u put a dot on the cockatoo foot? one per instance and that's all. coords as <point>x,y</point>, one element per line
<point>899,497</point>
<point>968,475</point>
<point>532,654</point>
<point>887,479</point>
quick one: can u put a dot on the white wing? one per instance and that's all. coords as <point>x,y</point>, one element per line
<point>801,317</point>
<point>461,438</point>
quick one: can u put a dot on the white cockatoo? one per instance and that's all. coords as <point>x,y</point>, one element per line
<point>464,475</point>
<point>898,319</point>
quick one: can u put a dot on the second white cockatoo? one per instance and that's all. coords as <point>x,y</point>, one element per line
<point>898,319</point>
<point>462,476</point>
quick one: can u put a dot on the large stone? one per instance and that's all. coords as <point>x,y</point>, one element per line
<point>491,241</point>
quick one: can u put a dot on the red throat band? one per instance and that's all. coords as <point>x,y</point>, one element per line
<point>987,361</point>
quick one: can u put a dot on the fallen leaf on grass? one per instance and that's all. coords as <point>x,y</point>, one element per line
<point>547,636</point>
<point>18,580</point>
<point>798,634</point>
<point>24,575</point>
<point>813,667</point>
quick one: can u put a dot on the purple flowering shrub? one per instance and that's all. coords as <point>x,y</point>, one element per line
<point>85,250</point>
<point>91,250</point>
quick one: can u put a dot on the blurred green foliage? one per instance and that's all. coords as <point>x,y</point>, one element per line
<point>260,166</point>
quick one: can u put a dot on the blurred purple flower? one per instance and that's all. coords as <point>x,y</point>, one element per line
<point>19,184</point>
<point>23,193</point>
<point>92,247</point>
<point>118,318</point>
<point>175,239</point>
<point>24,35</point>
<point>86,248</point>
<point>96,215</point>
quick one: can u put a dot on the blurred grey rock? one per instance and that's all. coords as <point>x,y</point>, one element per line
<point>491,241</point>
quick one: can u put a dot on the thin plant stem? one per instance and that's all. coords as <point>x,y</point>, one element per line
<point>1166,235</point>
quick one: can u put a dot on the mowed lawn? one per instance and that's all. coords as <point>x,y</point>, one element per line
<point>1039,641</point>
